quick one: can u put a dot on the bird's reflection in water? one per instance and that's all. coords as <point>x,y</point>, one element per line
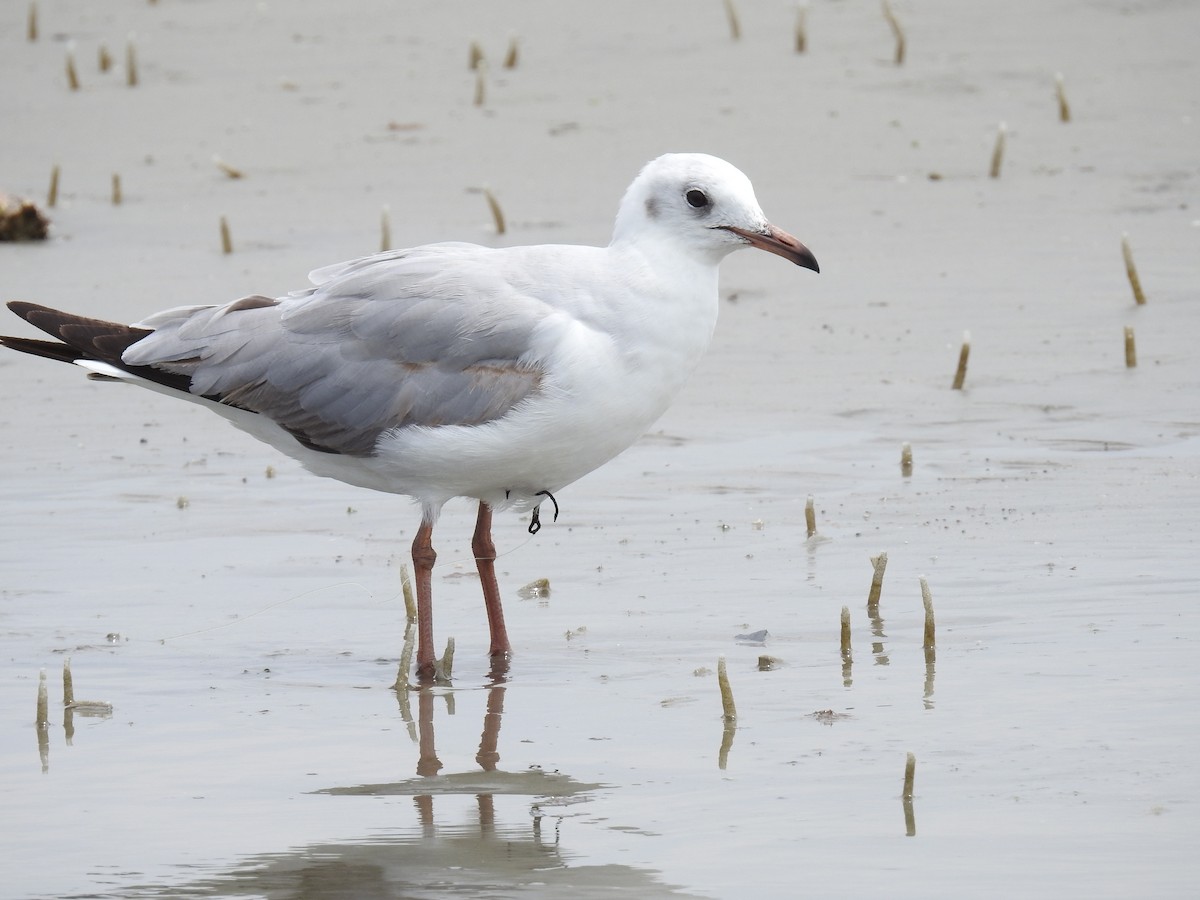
<point>486,856</point>
<point>545,788</point>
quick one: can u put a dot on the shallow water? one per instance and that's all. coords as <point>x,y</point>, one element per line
<point>271,756</point>
<point>255,747</point>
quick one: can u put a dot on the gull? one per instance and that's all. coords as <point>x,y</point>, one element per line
<point>456,370</point>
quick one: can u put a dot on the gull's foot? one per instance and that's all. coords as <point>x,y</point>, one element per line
<point>426,673</point>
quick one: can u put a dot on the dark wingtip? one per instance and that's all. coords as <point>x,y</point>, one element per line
<point>82,337</point>
<point>44,318</point>
<point>45,349</point>
<point>86,339</point>
<point>24,309</point>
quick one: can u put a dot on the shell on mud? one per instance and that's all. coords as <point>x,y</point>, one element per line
<point>21,220</point>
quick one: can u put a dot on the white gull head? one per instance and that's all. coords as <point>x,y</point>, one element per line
<point>703,206</point>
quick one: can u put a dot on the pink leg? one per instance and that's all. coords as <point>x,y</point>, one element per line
<point>424,557</point>
<point>485,561</point>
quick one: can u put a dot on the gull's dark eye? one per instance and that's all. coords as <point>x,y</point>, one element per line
<point>697,199</point>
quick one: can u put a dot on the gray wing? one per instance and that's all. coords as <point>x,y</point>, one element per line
<point>425,337</point>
